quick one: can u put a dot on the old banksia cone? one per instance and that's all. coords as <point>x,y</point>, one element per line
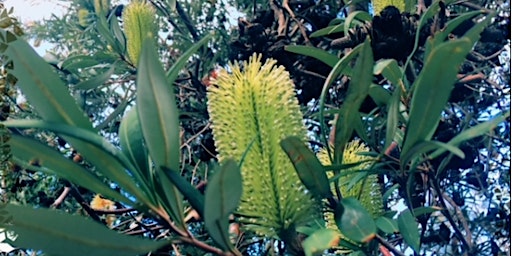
<point>139,24</point>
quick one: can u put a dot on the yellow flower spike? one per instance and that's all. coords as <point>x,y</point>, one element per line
<point>101,7</point>
<point>139,24</point>
<point>254,108</point>
<point>83,17</point>
<point>367,191</point>
<point>379,5</point>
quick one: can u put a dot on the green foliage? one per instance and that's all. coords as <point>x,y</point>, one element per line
<point>100,123</point>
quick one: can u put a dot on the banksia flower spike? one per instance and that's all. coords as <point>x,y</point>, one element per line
<point>379,5</point>
<point>101,7</point>
<point>367,190</point>
<point>139,24</point>
<point>251,111</point>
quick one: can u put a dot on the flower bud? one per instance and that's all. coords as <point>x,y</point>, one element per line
<point>139,24</point>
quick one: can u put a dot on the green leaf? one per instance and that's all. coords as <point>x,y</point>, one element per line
<point>393,117</point>
<point>389,69</point>
<point>426,210</point>
<point>222,196</point>
<point>56,233</point>
<point>328,30</point>
<point>308,167</point>
<point>103,29</point>
<point>43,88</point>
<point>339,68</point>
<point>157,110</point>
<point>472,132</point>
<point>320,241</point>
<point>193,196</point>
<point>97,80</point>
<point>408,227</point>
<point>379,95</point>
<point>110,161</point>
<point>159,119</point>
<point>317,53</point>
<point>356,18</point>
<point>354,221</point>
<point>432,90</point>
<point>120,38</point>
<point>132,142</point>
<point>78,62</point>
<point>175,69</point>
<point>474,33</point>
<point>426,146</point>
<point>25,150</point>
<point>387,225</point>
<point>357,91</point>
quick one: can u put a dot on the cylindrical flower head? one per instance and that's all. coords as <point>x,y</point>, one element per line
<point>379,5</point>
<point>139,24</point>
<point>101,7</point>
<point>252,110</point>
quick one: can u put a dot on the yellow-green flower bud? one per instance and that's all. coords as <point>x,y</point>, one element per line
<point>379,5</point>
<point>101,7</point>
<point>139,24</point>
<point>83,17</point>
<point>252,109</point>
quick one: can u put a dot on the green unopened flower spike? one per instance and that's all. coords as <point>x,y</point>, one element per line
<point>253,109</point>
<point>139,23</point>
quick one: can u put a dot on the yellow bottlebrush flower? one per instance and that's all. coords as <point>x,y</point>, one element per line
<point>101,7</point>
<point>254,108</point>
<point>367,190</point>
<point>379,5</point>
<point>100,203</point>
<point>139,24</point>
<point>83,17</point>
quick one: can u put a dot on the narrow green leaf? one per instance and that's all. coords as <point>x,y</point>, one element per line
<point>103,29</point>
<point>308,167</point>
<point>338,28</point>
<point>339,68</point>
<point>393,117</point>
<point>43,88</point>
<point>25,150</point>
<point>387,225</point>
<point>408,227</point>
<point>389,69</point>
<point>432,90</point>
<point>472,132</point>
<point>106,157</point>
<point>317,53</point>
<point>320,241</point>
<point>78,62</point>
<point>132,142</point>
<point>355,18</point>
<point>159,119</point>
<point>119,36</point>
<point>354,221</point>
<point>97,80</point>
<point>222,196</point>
<point>474,33</point>
<point>357,91</point>
<point>423,147</point>
<point>425,210</point>
<point>380,95</point>
<point>157,110</point>
<point>57,233</point>
<point>193,196</point>
<point>175,69</point>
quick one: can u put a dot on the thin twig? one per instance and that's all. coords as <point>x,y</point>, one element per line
<point>61,197</point>
<point>388,246</point>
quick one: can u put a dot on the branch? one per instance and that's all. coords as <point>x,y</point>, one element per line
<point>388,246</point>
<point>188,23</point>
<point>61,197</point>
